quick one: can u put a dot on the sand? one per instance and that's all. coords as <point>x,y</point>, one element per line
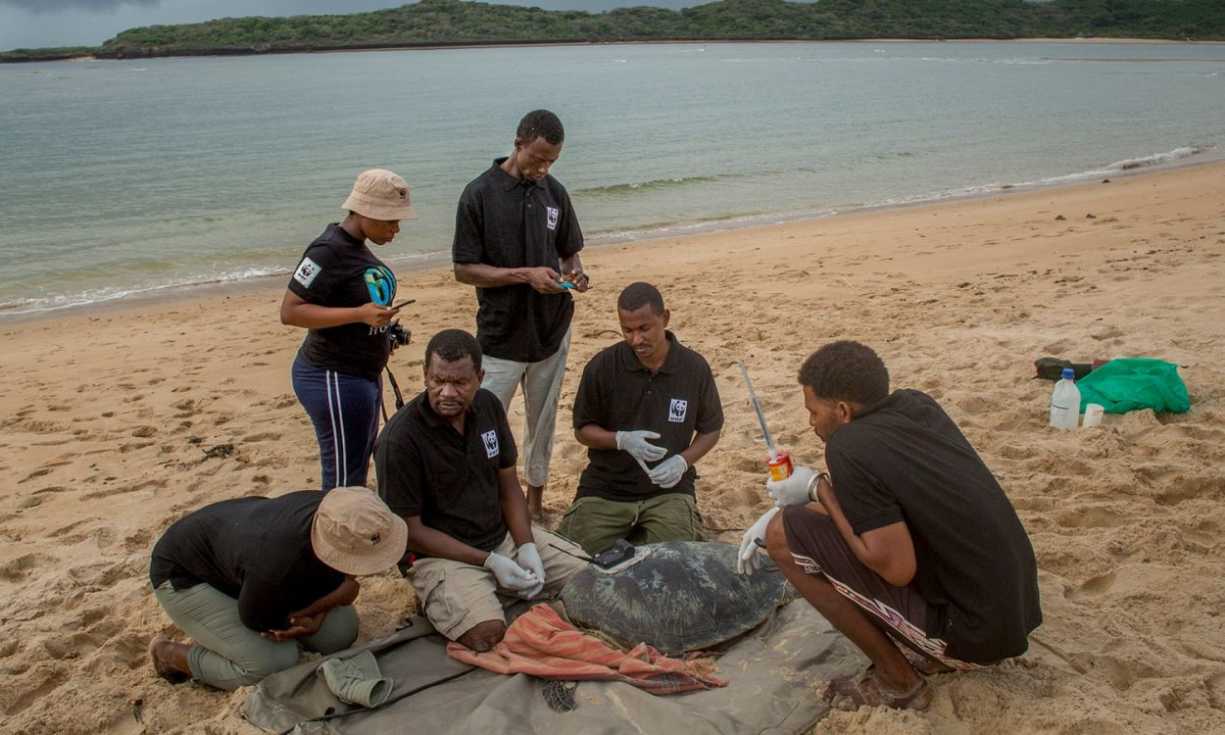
<point>113,424</point>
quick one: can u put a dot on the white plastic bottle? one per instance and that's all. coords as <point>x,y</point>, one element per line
<point>1065,402</point>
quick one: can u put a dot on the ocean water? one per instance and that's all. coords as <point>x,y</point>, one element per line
<point>154,176</point>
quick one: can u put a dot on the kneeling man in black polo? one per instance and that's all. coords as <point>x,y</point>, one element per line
<point>446,464</point>
<point>647,409</point>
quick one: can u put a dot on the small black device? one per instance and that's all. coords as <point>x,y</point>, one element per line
<point>614,555</point>
<point>399,335</point>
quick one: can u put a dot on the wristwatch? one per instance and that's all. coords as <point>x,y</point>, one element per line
<point>815,484</point>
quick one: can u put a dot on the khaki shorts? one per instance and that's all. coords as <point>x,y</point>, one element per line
<point>597,523</point>
<point>456,596</point>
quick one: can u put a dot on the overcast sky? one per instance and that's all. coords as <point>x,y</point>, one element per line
<point>37,23</point>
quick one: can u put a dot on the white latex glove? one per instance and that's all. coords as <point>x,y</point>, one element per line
<point>795,489</point>
<point>509,574</point>
<point>635,444</point>
<point>751,552</point>
<point>669,472</point>
<point>528,557</point>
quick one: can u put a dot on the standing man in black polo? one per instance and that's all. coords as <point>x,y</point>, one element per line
<point>647,409</point>
<point>518,241</point>
<point>446,464</point>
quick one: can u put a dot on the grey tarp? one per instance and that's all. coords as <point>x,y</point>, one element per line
<point>774,673</point>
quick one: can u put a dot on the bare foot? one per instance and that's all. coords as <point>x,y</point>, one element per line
<point>169,659</point>
<point>867,690</point>
<point>483,636</point>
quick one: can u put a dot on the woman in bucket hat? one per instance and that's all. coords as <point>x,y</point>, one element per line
<point>251,579</point>
<point>345,297</point>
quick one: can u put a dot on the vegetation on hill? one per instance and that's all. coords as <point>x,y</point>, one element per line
<point>455,22</point>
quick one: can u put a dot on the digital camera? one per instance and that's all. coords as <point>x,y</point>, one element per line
<point>399,335</point>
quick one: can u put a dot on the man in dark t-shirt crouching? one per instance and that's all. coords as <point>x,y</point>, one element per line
<point>446,464</point>
<point>908,546</point>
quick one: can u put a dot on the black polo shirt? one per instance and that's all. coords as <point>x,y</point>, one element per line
<point>517,223</point>
<point>426,468</point>
<point>256,550</point>
<point>339,270</point>
<point>618,393</point>
<point>904,459</point>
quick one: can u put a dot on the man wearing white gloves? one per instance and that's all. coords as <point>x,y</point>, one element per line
<point>912,550</point>
<point>446,464</point>
<point>647,409</point>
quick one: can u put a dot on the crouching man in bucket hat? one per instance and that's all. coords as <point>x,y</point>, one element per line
<point>252,579</point>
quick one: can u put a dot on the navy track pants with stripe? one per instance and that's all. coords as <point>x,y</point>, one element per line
<point>345,412</point>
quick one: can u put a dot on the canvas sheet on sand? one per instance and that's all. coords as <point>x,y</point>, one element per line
<point>774,674</point>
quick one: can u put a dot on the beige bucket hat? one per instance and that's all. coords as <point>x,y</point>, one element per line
<point>356,533</point>
<point>380,194</point>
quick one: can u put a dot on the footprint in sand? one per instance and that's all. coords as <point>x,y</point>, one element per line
<point>10,647</point>
<point>76,645</point>
<point>18,569</point>
<point>64,530</point>
<point>1119,673</point>
<point>1094,586</point>
<point>125,489</point>
<point>745,464</point>
<point>1183,488</point>
<point>105,574</point>
<point>1091,517</point>
<point>138,541</point>
<point>40,472</point>
<point>133,446</point>
<point>975,405</point>
<point>41,680</point>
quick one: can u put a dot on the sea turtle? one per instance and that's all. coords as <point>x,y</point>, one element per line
<point>677,596</point>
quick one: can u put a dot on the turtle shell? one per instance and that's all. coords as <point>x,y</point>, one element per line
<point>677,596</point>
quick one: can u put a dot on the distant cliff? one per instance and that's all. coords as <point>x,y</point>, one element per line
<point>453,22</point>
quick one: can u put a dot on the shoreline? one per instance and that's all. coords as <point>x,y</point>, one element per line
<point>428,46</point>
<point>410,264</point>
<point>116,424</point>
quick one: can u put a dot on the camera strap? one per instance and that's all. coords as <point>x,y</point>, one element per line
<point>395,388</point>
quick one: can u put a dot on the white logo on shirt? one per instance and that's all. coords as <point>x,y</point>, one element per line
<point>491,443</point>
<point>677,409</point>
<point>307,271</point>
<point>553,215</point>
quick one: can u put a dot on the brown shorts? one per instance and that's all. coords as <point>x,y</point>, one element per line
<point>818,548</point>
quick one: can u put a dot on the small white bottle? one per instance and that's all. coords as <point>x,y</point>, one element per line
<point>1065,402</point>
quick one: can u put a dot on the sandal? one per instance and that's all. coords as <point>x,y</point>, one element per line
<point>174,676</point>
<point>866,690</point>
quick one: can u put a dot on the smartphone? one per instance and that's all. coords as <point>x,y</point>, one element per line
<point>404,303</point>
<point>614,555</point>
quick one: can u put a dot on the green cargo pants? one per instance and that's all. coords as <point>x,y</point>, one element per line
<point>595,523</point>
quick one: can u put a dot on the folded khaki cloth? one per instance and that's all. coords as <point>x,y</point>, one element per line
<point>356,680</point>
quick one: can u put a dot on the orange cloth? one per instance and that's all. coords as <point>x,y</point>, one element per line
<point>540,643</point>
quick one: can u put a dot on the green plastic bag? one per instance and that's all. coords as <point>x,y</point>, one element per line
<point>1132,383</point>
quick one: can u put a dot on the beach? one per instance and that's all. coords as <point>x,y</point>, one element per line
<point>115,422</point>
